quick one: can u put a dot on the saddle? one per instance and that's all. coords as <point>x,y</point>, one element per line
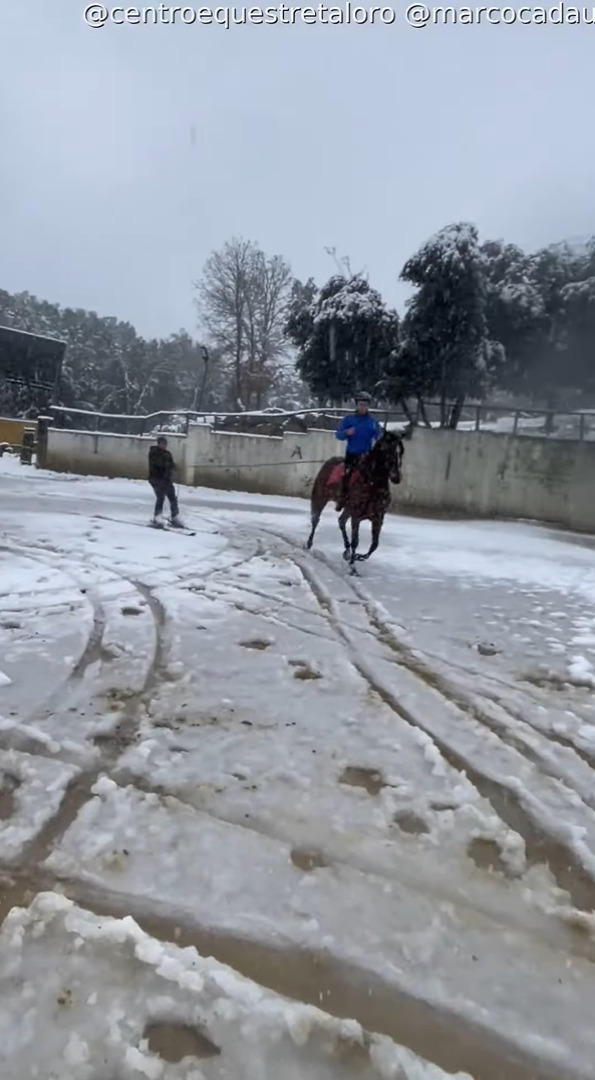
<point>336,474</point>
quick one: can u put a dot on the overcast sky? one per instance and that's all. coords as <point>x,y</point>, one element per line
<point>129,153</point>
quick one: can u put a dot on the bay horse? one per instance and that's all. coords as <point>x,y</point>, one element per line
<point>368,496</point>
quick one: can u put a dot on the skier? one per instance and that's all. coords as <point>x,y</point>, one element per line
<point>162,470</point>
<point>360,431</point>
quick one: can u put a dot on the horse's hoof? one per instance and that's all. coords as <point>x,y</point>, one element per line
<point>347,554</point>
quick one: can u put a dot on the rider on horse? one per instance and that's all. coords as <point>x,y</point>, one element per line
<point>360,431</point>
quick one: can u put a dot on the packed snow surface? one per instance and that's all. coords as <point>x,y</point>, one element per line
<point>370,799</point>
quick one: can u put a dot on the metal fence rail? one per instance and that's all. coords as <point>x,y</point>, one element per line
<point>179,420</point>
<point>498,419</point>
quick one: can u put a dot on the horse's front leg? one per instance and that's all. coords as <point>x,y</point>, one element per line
<point>376,529</point>
<point>343,519</point>
<point>354,539</point>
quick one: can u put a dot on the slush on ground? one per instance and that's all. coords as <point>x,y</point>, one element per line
<point>261,820</point>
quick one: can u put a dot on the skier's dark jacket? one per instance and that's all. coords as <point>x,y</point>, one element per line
<point>161,465</point>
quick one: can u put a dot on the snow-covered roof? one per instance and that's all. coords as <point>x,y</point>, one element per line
<point>10,334</point>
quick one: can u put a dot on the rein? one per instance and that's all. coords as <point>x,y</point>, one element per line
<point>377,467</point>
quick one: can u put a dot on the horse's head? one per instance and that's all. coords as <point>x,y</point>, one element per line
<point>389,451</point>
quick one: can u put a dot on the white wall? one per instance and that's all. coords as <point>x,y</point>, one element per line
<point>91,454</point>
<point>467,473</point>
<point>260,463</point>
<point>491,475</point>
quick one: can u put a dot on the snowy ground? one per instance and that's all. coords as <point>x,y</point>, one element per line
<point>370,800</point>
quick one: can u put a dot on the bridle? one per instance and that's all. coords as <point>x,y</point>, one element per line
<point>392,449</point>
<point>395,473</point>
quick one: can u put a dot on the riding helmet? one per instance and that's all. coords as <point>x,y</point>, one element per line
<point>364,396</point>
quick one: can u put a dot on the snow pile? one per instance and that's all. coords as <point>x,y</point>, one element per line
<point>81,996</point>
<point>4,679</point>
<point>580,672</point>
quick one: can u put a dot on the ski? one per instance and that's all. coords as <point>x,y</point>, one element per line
<point>143,525</point>
<point>172,528</point>
<point>178,529</point>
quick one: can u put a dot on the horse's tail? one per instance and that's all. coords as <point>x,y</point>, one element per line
<point>326,486</point>
<point>322,488</point>
<point>318,495</point>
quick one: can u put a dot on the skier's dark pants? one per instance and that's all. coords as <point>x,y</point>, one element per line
<point>164,489</point>
<point>351,463</point>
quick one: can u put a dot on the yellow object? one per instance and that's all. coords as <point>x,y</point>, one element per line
<point>11,431</point>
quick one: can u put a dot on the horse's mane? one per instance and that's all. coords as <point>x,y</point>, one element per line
<point>376,455</point>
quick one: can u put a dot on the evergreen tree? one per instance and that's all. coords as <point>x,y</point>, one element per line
<point>578,300</point>
<point>344,334</point>
<point>108,367</point>
<point>537,310</point>
<point>446,343</point>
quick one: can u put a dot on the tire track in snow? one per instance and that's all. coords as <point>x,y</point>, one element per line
<point>505,798</point>
<point>93,651</point>
<point>454,1041</point>
<point>476,704</point>
<point>490,710</point>
<point>92,648</point>
<point>574,871</point>
<point>78,792</point>
<point>111,746</point>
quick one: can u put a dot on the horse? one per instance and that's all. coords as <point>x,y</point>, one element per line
<point>368,496</point>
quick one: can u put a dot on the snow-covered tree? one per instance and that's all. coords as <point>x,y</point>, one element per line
<point>576,318</point>
<point>516,310</point>
<point>541,307</point>
<point>548,369</point>
<point>447,347</point>
<point>107,366</point>
<point>344,334</point>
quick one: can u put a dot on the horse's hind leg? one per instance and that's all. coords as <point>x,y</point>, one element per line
<point>315,518</point>
<point>316,508</point>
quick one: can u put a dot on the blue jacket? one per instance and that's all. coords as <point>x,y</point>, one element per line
<point>366,431</point>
